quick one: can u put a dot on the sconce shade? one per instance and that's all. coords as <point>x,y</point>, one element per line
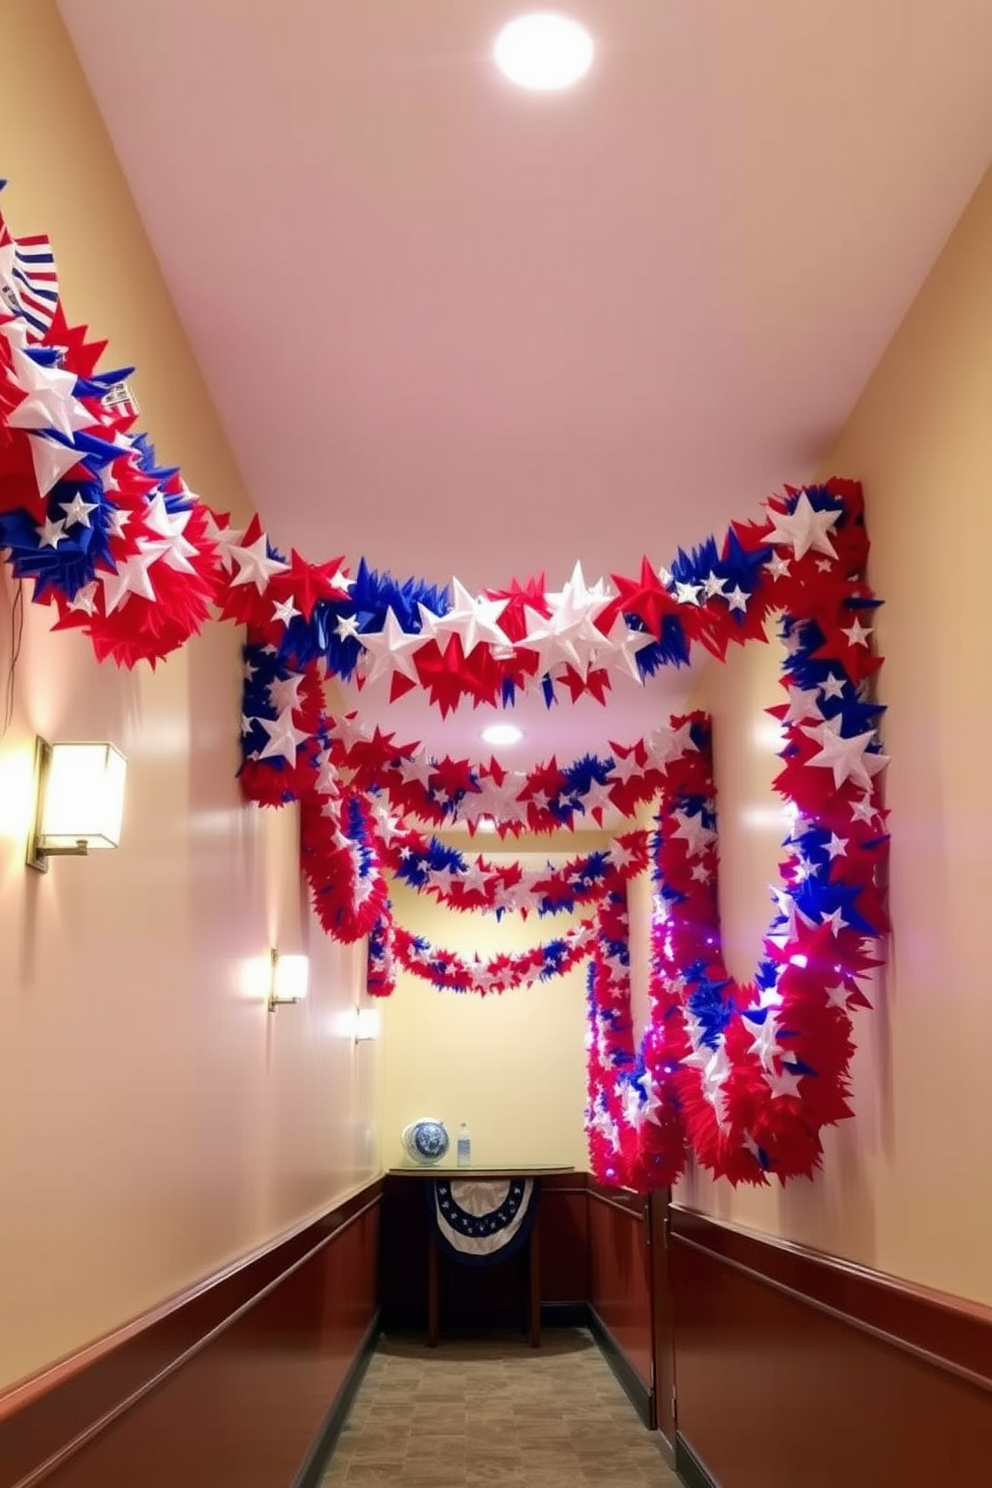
<point>290,979</point>
<point>80,800</point>
<point>366,1024</point>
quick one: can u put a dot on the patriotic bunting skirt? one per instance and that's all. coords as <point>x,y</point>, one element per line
<point>480,1220</point>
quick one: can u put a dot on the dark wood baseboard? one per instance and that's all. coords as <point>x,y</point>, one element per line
<point>314,1466</point>
<point>564,1314</point>
<point>689,1468</point>
<point>666,1447</point>
<point>634,1387</point>
<point>227,1382</point>
<point>413,1319</point>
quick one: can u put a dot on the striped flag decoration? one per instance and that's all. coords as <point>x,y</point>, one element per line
<point>120,402</point>
<point>29,282</point>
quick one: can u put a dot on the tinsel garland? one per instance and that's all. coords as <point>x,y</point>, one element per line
<point>754,1071</point>
<point>546,799</point>
<point>438,869</point>
<point>128,554</point>
<point>132,557</point>
<point>635,1133</point>
<point>497,973</point>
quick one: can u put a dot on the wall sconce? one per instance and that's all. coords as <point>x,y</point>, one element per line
<point>79,801</point>
<point>289,979</point>
<point>366,1024</point>
<point>358,1025</point>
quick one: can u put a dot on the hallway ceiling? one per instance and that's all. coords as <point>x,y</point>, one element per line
<point>463,329</point>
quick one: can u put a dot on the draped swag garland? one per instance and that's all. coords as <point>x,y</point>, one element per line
<point>745,1076</point>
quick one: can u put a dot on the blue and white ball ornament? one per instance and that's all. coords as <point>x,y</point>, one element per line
<point>426,1141</point>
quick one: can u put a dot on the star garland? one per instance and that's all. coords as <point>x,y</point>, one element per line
<point>715,595</point>
<point>340,858</point>
<point>747,1075</point>
<point>133,558</point>
<point>381,980</point>
<point>762,1067</point>
<point>435,868</point>
<point>282,723</point>
<point>498,973</point>
<point>549,798</point>
<point>634,1128</point>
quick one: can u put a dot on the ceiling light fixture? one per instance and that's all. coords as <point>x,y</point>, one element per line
<point>502,733</point>
<point>485,824</point>
<point>543,51</point>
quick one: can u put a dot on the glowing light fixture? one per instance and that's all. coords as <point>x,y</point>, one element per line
<point>79,801</point>
<point>485,824</point>
<point>366,1024</point>
<point>543,51</point>
<point>289,980</point>
<point>502,733</point>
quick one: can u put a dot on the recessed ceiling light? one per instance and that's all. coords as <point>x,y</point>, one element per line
<point>502,733</point>
<point>543,51</point>
<point>485,824</point>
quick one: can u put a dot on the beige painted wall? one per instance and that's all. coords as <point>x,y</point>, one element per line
<point>905,1184</point>
<point>155,1121</point>
<point>511,1065</point>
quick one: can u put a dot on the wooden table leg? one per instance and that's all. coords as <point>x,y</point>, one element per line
<point>535,1279</point>
<point>432,1288</point>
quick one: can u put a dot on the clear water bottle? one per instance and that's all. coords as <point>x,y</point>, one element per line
<point>464,1146</point>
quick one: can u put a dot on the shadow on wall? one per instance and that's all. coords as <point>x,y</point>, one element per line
<point>836,1212</point>
<point>833,1212</point>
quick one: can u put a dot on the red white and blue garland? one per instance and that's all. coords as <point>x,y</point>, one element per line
<point>501,972</point>
<point>549,798</point>
<point>747,1076</point>
<point>434,867</point>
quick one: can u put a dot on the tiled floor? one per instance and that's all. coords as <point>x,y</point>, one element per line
<point>493,1411</point>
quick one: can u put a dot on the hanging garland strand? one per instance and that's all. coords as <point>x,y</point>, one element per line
<point>762,1067</point>
<point>757,1070</point>
<point>130,556</point>
<point>498,973</point>
<point>436,868</point>
<point>549,798</point>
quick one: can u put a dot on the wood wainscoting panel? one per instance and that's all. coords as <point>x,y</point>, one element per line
<point>795,1370</point>
<point>620,1279</point>
<point>231,1384</point>
<point>564,1238</point>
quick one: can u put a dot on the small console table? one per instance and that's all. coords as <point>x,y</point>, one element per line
<point>422,1174</point>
